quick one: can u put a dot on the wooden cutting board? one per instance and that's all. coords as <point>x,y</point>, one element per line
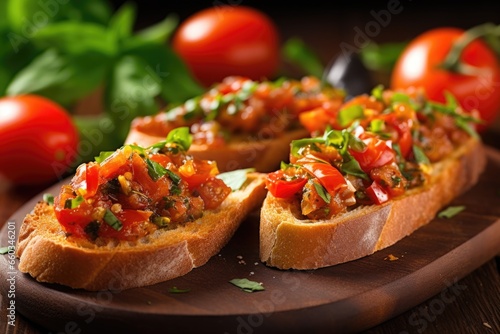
<point>345,298</point>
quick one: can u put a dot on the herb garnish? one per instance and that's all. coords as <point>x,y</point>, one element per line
<point>247,285</point>
<point>175,289</point>
<point>236,178</point>
<point>451,211</point>
<point>112,220</point>
<point>48,198</point>
<point>4,250</point>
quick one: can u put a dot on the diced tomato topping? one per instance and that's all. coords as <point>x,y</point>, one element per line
<point>376,153</point>
<point>377,193</point>
<point>327,175</point>
<point>282,186</point>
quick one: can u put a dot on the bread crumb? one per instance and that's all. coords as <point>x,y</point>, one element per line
<point>242,262</point>
<point>251,273</point>
<point>485,324</point>
<point>256,263</point>
<point>239,257</point>
<point>391,257</point>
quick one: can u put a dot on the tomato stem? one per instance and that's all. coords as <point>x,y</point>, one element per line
<point>453,61</point>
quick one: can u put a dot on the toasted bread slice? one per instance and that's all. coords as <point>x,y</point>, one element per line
<point>290,242</point>
<point>264,154</point>
<point>47,254</point>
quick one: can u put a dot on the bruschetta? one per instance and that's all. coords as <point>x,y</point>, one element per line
<point>241,123</point>
<point>383,167</point>
<point>136,217</point>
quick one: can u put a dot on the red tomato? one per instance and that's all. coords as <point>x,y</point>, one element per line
<point>377,193</point>
<point>375,154</point>
<point>221,41</point>
<point>418,66</point>
<point>38,140</point>
<point>281,186</point>
<point>327,175</point>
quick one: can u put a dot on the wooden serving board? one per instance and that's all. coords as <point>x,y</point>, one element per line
<point>345,298</point>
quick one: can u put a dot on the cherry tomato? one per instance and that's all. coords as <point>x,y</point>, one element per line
<point>38,140</point>
<point>375,154</point>
<point>418,66</point>
<point>222,41</point>
<point>282,186</point>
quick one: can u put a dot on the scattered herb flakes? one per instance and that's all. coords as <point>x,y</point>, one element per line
<point>177,290</point>
<point>247,285</point>
<point>4,250</point>
<point>451,211</point>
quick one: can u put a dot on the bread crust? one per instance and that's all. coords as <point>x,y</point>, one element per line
<point>48,255</point>
<point>287,242</point>
<point>264,152</point>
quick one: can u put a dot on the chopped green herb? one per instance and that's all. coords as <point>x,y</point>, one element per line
<point>112,220</point>
<point>174,177</point>
<point>236,178</point>
<point>400,97</point>
<point>377,92</point>
<point>325,196</point>
<point>181,137</point>
<point>4,250</point>
<point>451,211</point>
<point>48,198</point>
<point>420,156</point>
<point>247,285</point>
<point>177,290</point>
<point>155,170</point>
<point>347,115</point>
<point>73,203</point>
<point>103,156</point>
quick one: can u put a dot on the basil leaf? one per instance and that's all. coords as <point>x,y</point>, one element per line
<point>159,32</point>
<point>72,37</point>
<point>20,11</point>
<point>247,285</point>
<point>325,196</point>
<point>378,92</point>
<point>131,92</point>
<point>351,166</point>
<point>296,52</point>
<point>181,137</point>
<point>347,115</point>
<point>112,220</point>
<point>61,78</point>
<point>236,178</point>
<point>176,82</point>
<point>451,211</point>
<point>4,250</point>
<point>420,156</point>
<point>122,22</point>
<point>155,170</point>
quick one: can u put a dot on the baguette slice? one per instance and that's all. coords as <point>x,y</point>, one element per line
<point>265,155</point>
<point>49,256</point>
<point>287,242</point>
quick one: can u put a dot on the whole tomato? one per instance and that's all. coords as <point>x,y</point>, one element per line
<point>228,40</point>
<point>38,141</point>
<point>474,80</point>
